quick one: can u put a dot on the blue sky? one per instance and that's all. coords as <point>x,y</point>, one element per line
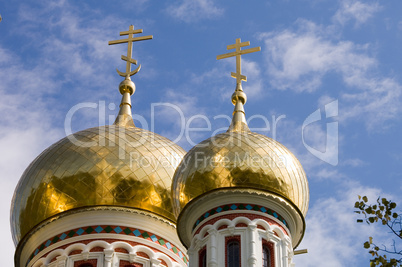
<point>314,53</point>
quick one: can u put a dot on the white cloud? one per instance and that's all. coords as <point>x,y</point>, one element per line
<point>355,10</point>
<point>376,101</point>
<point>354,162</point>
<point>76,45</point>
<point>254,85</point>
<point>26,129</point>
<point>333,237</point>
<point>299,60</point>
<point>194,10</point>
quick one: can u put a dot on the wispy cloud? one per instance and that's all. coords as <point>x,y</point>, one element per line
<point>300,59</point>
<point>26,129</point>
<point>71,45</point>
<point>194,10</point>
<point>176,114</point>
<point>357,11</point>
<point>254,84</point>
<point>353,162</point>
<point>218,79</point>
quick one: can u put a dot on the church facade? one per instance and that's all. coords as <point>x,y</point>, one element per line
<point>122,196</point>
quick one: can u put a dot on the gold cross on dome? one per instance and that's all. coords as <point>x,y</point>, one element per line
<point>128,58</point>
<point>238,45</point>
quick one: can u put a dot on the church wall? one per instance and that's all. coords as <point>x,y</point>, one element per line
<point>107,236</point>
<point>211,222</point>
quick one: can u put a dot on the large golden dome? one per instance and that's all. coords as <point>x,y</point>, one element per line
<point>240,159</point>
<point>108,165</point>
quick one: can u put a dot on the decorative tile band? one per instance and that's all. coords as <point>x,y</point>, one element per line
<point>109,229</point>
<point>243,206</point>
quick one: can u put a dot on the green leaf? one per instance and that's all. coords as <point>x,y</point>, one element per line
<point>366,244</point>
<point>365,199</point>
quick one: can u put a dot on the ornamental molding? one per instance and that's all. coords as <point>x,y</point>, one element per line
<point>236,207</point>
<point>106,232</point>
<point>68,213</point>
<point>244,191</point>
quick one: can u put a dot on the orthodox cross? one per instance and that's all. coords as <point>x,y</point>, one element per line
<point>238,45</point>
<point>128,58</point>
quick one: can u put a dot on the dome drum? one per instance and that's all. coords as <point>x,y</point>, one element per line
<point>99,223</point>
<point>221,202</point>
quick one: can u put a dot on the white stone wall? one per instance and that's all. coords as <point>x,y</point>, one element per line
<point>251,243</point>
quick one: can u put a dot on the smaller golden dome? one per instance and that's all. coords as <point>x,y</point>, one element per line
<point>240,159</point>
<point>107,165</point>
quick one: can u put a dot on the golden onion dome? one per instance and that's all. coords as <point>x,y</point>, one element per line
<point>240,158</point>
<point>117,165</point>
<point>108,165</point>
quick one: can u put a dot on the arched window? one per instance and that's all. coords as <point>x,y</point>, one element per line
<point>266,256</point>
<point>233,253</point>
<point>202,258</point>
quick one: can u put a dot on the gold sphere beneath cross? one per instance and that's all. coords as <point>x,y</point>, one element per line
<point>127,86</point>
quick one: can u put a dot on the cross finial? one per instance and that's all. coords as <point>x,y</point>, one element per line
<point>239,98</point>
<point>238,45</point>
<point>128,58</point>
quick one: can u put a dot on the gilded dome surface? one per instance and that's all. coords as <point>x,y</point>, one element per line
<point>240,159</point>
<point>107,165</point>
